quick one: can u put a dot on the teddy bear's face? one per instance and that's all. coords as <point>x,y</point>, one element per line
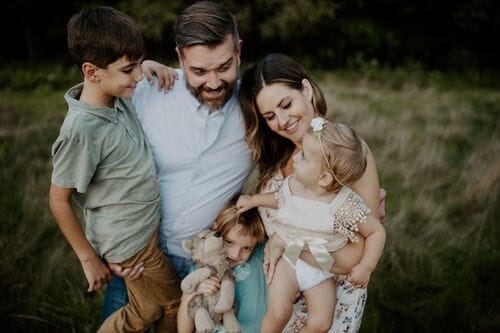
<point>204,243</point>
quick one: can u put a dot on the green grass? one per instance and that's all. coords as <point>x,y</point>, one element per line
<point>436,139</point>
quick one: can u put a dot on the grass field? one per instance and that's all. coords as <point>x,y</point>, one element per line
<point>436,139</point>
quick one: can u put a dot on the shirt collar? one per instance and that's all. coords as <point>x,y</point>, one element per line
<point>110,114</point>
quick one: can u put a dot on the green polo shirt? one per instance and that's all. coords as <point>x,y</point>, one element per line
<point>103,154</point>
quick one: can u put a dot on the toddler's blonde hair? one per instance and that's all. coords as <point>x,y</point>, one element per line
<point>344,154</point>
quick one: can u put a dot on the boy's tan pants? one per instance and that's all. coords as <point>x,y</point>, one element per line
<point>152,299</point>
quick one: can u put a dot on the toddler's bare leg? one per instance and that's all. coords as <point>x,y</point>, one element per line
<point>281,295</point>
<point>320,301</point>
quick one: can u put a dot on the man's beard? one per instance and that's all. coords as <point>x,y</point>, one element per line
<point>215,103</point>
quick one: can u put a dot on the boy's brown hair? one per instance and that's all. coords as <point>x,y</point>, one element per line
<point>102,35</point>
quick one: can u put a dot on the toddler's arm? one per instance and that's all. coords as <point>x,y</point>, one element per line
<point>166,75</point>
<point>246,202</point>
<point>374,234</point>
<point>95,270</point>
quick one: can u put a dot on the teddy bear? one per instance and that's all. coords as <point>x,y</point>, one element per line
<point>207,250</point>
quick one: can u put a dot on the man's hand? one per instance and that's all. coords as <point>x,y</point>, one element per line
<point>166,75</point>
<point>129,273</point>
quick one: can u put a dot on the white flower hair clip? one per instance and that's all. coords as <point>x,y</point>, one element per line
<point>317,124</point>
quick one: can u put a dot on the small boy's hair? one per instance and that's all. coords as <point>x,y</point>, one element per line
<point>250,222</point>
<point>346,153</point>
<point>102,35</point>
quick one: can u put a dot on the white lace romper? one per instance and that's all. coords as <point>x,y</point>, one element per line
<point>321,227</point>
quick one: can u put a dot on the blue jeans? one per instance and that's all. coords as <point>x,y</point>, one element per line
<point>116,291</point>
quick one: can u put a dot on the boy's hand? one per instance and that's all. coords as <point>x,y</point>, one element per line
<point>166,75</point>
<point>96,272</point>
<point>244,203</point>
<point>208,286</point>
<point>129,273</point>
<point>359,276</point>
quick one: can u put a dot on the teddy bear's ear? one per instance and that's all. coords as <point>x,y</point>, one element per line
<point>187,245</point>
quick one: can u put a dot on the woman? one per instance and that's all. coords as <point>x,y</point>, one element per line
<point>277,115</point>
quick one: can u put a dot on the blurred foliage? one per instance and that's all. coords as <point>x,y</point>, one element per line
<point>435,35</point>
<point>436,140</point>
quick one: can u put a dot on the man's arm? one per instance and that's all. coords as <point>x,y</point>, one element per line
<point>95,270</point>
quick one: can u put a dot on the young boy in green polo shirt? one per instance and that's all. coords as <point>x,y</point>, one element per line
<point>102,160</point>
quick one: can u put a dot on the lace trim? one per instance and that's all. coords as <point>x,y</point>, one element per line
<point>352,211</point>
<point>280,196</point>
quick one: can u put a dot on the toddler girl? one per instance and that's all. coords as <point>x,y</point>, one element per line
<point>317,210</point>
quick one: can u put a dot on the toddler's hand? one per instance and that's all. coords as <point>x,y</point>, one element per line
<point>359,276</point>
<point>244,203</point>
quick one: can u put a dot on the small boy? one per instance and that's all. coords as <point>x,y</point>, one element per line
<point>243,236</point>
<point>102,159</point>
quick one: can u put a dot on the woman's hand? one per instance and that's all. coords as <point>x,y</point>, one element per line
<point>381,206</point>
<point>129,273</point>
<point>166,75</point>
<point>272,252</point>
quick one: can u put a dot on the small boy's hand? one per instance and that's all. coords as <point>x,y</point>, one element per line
<point>208,286</point>
<point>129,273</point>
<point>96,272</point>
<point>244,203</point>
<point>359,276</point>
<point>166,75</point>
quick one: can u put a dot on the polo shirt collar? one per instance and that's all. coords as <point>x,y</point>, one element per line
<point>105,112</point>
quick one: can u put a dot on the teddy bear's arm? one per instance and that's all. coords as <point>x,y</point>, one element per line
<point>226,295</point>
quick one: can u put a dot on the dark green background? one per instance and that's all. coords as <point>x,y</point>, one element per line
<point>445,35</point>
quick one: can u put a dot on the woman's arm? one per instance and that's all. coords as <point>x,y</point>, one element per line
<point>368,187</point>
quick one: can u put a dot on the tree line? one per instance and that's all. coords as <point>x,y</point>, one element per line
<point>447,35</point>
